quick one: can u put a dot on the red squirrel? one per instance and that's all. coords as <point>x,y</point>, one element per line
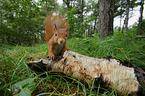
<point>56,35</point>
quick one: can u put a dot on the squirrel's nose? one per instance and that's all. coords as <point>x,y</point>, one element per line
<point>61,41</point>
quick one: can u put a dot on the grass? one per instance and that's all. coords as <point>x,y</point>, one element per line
<point>132,50</point>
<point>14,70</point>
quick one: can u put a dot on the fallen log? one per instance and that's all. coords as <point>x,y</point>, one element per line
<point>113,73</point>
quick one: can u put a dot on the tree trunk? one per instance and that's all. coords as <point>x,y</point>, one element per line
<point>82,10</point>
<point>95,31</point>
<point>127,16</point>
<point>140,18</point>
<point>120,18</point>
<point>80,13</point>
<point>67,2</point>
<point>106,14</point>
<point>46,8</point>
<point>111,72</point>
<point>2,29</point>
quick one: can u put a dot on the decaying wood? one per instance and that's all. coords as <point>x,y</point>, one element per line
<point>115,75</point>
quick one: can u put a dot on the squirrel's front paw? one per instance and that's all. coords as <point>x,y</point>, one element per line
<point>50,56</point>
<point>68,49</point>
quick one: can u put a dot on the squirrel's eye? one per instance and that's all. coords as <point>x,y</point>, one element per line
<point>55,34</point>
<point>66,35</point>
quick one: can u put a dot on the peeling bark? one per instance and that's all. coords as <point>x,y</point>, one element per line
<point>115,75</point>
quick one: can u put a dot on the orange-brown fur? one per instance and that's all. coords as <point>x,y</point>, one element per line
<point>56,35</point>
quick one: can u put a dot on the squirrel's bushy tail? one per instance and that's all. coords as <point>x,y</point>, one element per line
<point>52,20</point>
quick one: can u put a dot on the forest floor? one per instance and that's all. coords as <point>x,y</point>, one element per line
<point>15,73</point>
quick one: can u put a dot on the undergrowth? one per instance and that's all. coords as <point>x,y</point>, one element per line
<point>129,49</point>
<point>15,74</point>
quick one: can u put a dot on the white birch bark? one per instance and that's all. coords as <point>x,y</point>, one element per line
<point>86,68</point>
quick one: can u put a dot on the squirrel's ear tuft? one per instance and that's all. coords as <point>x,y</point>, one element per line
<point>67,28</point>
<point>55,28</point>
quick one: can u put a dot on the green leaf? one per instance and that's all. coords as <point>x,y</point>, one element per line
<point>97,34</point>
<point>26,87</point>
<point>24,92</point>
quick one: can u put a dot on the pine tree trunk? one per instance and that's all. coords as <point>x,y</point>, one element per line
<point>119,29</point>
<point>81,17</point>
<point>127,16</point>
<point>46,8</point>
<point>67,2</point>
<point>140,18</point>
<point>82,10</point>
<point>106,14</point>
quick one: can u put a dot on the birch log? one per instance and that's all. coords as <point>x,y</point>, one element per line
<point>115,75</point>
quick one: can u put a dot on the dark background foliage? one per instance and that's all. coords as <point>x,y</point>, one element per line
<point>22,22</point>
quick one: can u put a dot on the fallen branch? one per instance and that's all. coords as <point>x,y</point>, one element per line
<point>139,37</point>
<point>114,75</point>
